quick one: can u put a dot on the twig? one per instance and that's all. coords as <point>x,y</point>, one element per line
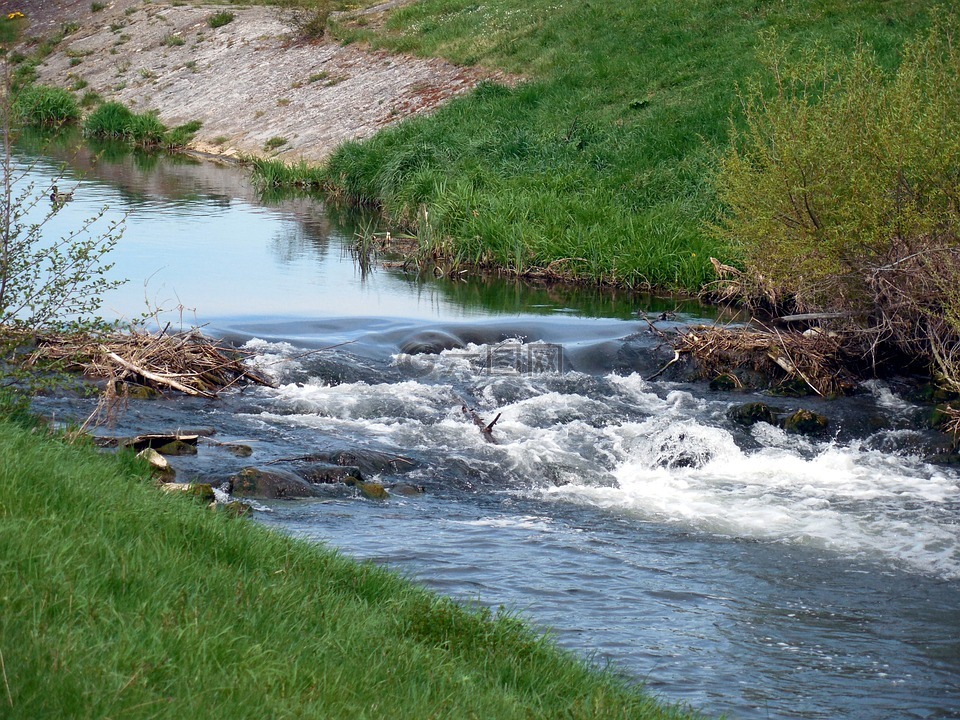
<point>155,377</point>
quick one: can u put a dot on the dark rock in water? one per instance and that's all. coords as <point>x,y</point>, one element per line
<point>751,413</point>
<point>725,382</point>
<point>254,482</point>
<point>139,392</point>
<point>328,473</point>
<point>178,447</point>
<point>805,422</point>
<point>373,491</point>
<point>793,388</point>
<point>240,451</point>
<point>368,462</point>
<point>940,416</point>
<point>430,342</point>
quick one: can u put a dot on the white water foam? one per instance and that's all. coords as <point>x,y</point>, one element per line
<point>674,460</point>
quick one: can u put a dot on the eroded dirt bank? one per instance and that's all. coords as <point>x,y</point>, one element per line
<point>247,81</point>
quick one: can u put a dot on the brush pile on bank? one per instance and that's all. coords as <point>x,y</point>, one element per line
<point>187,362</point>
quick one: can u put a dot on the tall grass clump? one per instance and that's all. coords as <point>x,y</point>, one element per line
<point>841,192</point>
<point>115,120</point>
<point>43,106</point>
<point>278,174</point>
<point>120,602</point>
<point>597,163</point>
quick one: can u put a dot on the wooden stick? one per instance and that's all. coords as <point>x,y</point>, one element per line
<point>156,378</point>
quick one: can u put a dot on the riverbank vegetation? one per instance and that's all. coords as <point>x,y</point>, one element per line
<point>599,164</point>
<point>120,602</point>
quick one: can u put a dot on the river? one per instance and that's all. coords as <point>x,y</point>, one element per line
<point>743,571</point>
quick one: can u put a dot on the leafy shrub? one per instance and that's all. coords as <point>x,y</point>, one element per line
<point>181,135</point>
<point>40,105</point>
<point>842,192</point>
<point>220,19</point>
<point>173,40</point>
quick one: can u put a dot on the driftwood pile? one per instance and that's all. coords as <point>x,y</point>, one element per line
<point>815,357</point>
<point>187,362</point>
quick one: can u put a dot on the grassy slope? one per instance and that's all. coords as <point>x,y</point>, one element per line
<point>600,164</point>
<point>119,602</point>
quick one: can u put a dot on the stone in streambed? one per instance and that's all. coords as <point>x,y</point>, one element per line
<point>751,413</point>
<point>254,482</point>
<point>805,422</point>
<point>372,490</point>
<point>159,465</point>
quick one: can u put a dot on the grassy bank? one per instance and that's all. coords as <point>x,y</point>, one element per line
<point>600,164</point>
<point>119,602</point>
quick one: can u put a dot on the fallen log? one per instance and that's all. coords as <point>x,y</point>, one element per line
<point>157,378</point>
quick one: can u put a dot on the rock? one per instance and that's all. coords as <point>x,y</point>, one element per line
<point>241,451</point>
<point>405,490</point>
<point>158,464</point>
<point>805,422</point>
<point>725,382</point>
<point>430,342</point>
<point>372,490</point>
<point>139,392</point>
<point>200,491</point>
<point>751,413</point>
<point>254,482</point>
<point>328,473</point>
<point>793,388</point>
<point>178,447</point>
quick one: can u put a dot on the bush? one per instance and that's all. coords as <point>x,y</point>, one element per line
<point>841,193</point>
<point>308,18</point>
<point>220,19</point>
<point>42,106</point>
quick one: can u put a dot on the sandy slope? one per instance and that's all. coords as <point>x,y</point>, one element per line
<point>247,81</point>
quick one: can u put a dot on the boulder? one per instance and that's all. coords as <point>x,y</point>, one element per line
<point>805,422</point>
<point>751,413</point>
<point>254,482</point>
<point>405,489</point>
<point>178,447</point>
<point>329,473</point>
<point>372,490</point>
<point>158,464</point>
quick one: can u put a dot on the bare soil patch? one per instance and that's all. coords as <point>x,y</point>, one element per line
<point>248,81</point>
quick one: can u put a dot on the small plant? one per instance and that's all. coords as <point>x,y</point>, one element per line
<point>191,65</point>
<point>221,140</point>
<point>173,40</point>
<point>317,77</point>
<point>75,61</point>
<point>220,19</point>
<point>181,135</point>
<point>97,6</point>
<point>90,99</point>
<point>283,102</point>
<point>79,84</point>
<point>39,105</point>
<point>147,74</point>
<point>274,142</point>
<point>116,27</point>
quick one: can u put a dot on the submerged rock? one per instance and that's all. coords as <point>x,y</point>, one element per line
<point>805,422</point>
<point>178,447</point>
<point>405,489</point>
<point>329,473</point>
<point>751,413</point>
<point>254,482</point>
<point>372,490</point>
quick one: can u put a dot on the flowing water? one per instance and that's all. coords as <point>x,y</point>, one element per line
<point>741,570</point>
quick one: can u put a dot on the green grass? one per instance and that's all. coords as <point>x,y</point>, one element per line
<point>43,106</point>
<point>600,164</point>
<point>113,120</point>
<point>120,602</point>
<point>219,19</point>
